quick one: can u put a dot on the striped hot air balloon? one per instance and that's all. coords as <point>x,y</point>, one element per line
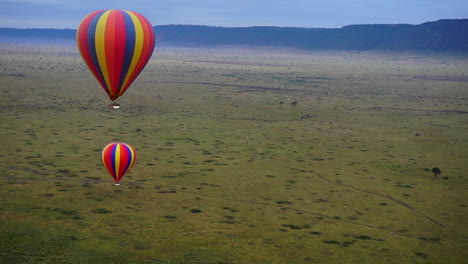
<point>115,45</point>
<point>118,158</point>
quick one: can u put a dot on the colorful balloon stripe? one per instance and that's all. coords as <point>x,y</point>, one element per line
<point>115,45</point>
<point>118,158</point>
<point>84,41</point>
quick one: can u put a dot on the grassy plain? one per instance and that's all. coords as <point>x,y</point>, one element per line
<point>243,156</point>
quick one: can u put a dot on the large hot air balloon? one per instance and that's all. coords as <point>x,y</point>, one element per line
<point>118,158</point>
<point>115,45</point>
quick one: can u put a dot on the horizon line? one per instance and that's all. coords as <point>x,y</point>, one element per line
<point>442,19</point>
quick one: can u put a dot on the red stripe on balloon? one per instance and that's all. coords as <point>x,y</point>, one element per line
<point>124,157</point>
<point>148,42</point>
<point>119,53</point>
<point>109,159</point>
<point>110,30</point>
<point>151,37</point>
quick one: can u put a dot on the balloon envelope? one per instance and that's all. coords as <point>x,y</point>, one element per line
<point>118,158</point>
<point>115,45</point>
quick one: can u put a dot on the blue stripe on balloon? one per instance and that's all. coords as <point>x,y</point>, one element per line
<point>92,45</point>
<point>129,47</point>
<point>113,161</point>
<point>130,157</point>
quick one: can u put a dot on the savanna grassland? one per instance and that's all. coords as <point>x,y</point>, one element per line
<point>243,156</point>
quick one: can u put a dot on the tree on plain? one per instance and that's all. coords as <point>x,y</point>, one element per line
<point>436,171</point>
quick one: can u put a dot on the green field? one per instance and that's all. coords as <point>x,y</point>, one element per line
<point>243,156</point>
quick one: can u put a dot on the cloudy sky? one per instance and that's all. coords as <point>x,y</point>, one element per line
<point>234,13</point>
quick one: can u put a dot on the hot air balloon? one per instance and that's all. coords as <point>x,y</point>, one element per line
<point>115,45</point>
<point>118,158</point>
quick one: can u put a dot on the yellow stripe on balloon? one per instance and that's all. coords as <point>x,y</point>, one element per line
<point>103,154</point>
<point>117,160</point>
<point>139,35</point>
<point>100,43</point>
<point>132,156</point>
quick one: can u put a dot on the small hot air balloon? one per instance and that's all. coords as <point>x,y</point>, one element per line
<point>115,45</point>
<point>118,158</point>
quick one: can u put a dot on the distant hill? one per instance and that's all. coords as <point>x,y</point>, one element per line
<point>447,35</point>
<point>38,36</point>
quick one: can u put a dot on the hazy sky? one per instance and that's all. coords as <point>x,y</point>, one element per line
<point>234,13</point>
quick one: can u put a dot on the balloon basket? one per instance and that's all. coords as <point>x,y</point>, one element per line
<point>114,106</point>
<point>116,184</point>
